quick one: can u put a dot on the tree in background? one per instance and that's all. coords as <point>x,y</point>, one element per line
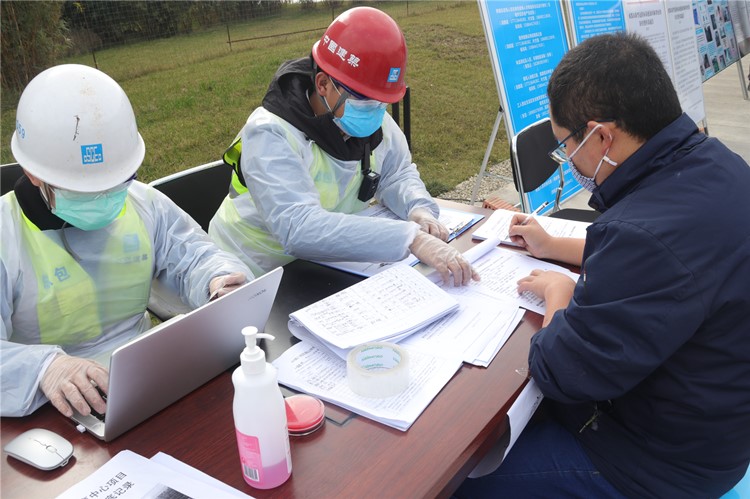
<point>32,38</point>
<point>96,25</point>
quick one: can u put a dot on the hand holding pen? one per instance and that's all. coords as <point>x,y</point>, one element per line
<point>533,213</point>
<point>526,232</point>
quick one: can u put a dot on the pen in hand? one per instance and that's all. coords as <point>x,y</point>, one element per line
<point>535,212</point>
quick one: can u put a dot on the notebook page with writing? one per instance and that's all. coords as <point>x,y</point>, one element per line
<point>386,305</point>
<point>499,223</point>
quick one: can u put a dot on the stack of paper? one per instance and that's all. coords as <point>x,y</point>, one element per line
<point>385,307</point>
<point>499,223</point>
<point>475,332</point>
<point>312,369</point>
<point>439,327</point>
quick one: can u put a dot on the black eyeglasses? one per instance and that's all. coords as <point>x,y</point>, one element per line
<point>560,152</point>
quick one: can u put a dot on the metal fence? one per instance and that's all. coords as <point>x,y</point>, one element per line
<point>99,31</point>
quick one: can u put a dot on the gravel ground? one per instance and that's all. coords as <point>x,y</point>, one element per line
<point>496,177</point>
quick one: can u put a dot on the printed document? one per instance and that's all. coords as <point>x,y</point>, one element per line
<point>131,476</point>
<point>519,415</point>
<point>319,372</point>
<point>499,223</point>
<point>476,331</point>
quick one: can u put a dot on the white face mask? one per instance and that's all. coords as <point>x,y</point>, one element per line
<point>588,183</point>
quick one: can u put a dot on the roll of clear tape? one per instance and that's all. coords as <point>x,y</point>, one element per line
<point>378,370</point>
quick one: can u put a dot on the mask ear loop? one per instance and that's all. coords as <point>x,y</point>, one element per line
<point>606,158</point>
<point>45,190</point>
<point>342,98</point>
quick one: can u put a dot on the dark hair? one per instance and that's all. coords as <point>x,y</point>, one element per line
<point>614,76</point>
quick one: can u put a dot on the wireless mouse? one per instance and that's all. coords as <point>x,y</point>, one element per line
<point>40,448</point>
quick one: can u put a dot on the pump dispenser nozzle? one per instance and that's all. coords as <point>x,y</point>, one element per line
<point>253,358</point>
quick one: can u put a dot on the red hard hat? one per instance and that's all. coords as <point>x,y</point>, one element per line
<point>364,49</point>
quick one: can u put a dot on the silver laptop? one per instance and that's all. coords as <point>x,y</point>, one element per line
<point>174,358</point>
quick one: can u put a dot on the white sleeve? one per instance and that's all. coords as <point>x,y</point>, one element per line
<point>20,364</point>
<point>185,258</point>
<point>21,367</point>
<point>287,200</point>
<point>401,189</point>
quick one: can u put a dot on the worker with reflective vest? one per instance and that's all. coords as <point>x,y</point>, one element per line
<point>82,241</point>
<point>320,148</point>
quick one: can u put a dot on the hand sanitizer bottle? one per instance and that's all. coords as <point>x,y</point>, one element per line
<point>260,417</point>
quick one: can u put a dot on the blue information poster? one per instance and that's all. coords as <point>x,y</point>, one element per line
<point>526,40</point>
<point>595,17</point>
<point>717,45</point>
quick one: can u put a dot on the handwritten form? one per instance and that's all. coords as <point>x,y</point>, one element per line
<point>389,304</point>
<point>502,268</point>
<point>475,332</point>
<point>499,223</point>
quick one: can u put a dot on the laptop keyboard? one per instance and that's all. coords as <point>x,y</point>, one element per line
<point>98,415</point>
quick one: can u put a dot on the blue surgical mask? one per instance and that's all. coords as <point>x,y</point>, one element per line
<point>361,118</point>
<point>90,211</point>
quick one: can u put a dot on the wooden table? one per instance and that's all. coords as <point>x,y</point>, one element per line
<point>351,456</point>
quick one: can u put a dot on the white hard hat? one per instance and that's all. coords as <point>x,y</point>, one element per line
<point>75,129</point>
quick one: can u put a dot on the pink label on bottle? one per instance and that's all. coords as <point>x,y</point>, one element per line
<point>249,448</point>
<point>255,474</point>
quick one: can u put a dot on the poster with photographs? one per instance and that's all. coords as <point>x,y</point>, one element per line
<point>717,46</point>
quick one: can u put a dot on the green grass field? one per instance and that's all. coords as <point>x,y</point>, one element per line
<point>191,94</point>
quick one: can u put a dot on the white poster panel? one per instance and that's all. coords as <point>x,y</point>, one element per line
<point>686,74</point>
<point>669,29</point>
<point>648,19</point>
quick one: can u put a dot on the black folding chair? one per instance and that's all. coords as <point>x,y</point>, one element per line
<point>199,190</point>
<point>9,174</point>
<point>532,166</point>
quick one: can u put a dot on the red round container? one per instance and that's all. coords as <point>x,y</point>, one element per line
<point>304,414</point>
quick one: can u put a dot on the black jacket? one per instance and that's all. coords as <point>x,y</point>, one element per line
<point>658,330</point>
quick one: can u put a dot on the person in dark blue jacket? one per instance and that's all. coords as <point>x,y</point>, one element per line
<point>645,361</point>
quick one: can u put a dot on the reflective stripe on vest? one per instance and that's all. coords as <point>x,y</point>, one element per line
<point>71,306</point>
<point>320,171</point>
<point>323,176</point>
<point>232,157</point>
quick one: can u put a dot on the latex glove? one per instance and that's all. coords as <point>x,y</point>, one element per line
<point>446,260</point>
<point>68,381</point>
<point>428,223</point>
<point>224,284</point>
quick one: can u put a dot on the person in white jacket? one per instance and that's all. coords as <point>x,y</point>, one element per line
<point>82,241</point>
<point>320,148</point>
